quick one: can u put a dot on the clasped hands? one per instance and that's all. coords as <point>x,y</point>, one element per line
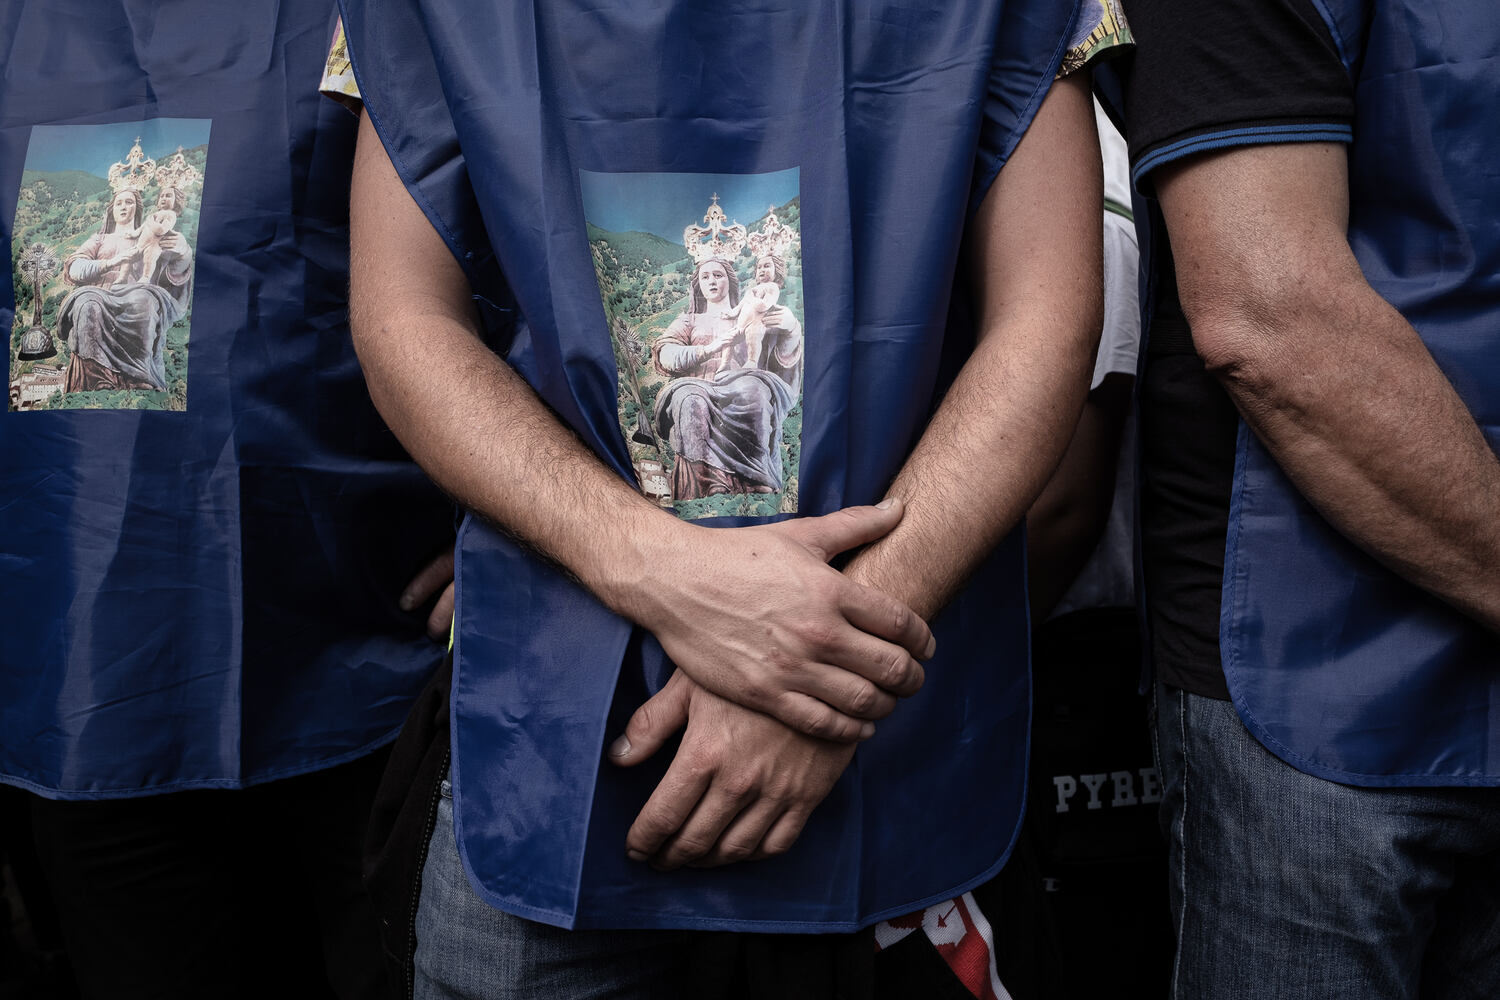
<point>784,665</point>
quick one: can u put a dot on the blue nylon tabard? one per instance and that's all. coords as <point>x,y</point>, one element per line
<point>205,526</point>
<point>621,166</point>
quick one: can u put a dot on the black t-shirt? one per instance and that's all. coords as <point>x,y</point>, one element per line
<point>1204,77</point>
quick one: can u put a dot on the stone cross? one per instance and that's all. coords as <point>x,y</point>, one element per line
<point>38,263</point>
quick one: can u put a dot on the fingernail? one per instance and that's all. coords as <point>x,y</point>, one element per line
<point>867,730</point>
<point>931,647</point>
<point>635,855</point>
<point>620,747</point>
<point>885,504</point>
<point>407,602</point>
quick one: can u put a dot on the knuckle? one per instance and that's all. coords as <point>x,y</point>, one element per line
<point>821,634</point>
<point>735,851</point>
<point>791,710</point>
<point>863,699</point>
<point>828,588</point>
<point>757,689</point>
<point>924,635</point>
<point>803,795</point>
<point>778,659</point>
<point>776,845</point>
<point>737,787</point>
<point>648,830</point>
<point>698,765</point>
<point>777,789</point>
<point>643,721</point>
<point>895,671</point>
<point>689,847</point>
<point>838,520</point>
<point>885,704</point>
<point>821,722</point>
<point>841,730</point>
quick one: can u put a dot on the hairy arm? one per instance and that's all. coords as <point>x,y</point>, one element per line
<point>783,632</point>
<point>1035,264</point>
<point>1328,375</point>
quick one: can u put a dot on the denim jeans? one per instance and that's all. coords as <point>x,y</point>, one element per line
<point>468,949</point>
<point>1288,886</point>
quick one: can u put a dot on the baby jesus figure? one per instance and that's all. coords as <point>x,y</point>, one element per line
<point>157,224</point>
<point>750,315</point>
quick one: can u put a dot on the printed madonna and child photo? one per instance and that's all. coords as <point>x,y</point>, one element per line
<point>705,314</point>
<point>102,262</point>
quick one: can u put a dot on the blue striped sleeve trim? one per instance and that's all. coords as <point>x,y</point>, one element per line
<point>1257,135</point>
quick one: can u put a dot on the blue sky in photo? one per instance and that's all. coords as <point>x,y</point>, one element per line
<point>94,148</point>
<point>667,203</point>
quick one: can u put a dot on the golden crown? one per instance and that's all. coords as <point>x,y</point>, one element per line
<point>774,239</point>
<point>177,172</point>
<point>134,172</point>
<point>714,240</point>
<point>138,170</point>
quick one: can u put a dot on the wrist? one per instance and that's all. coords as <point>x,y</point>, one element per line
<point>633,556</point>
<point>875,567</point>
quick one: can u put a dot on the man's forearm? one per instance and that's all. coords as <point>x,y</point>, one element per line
<point>1036,270</point>
<point>1332,379</point>
<point>1380,443</point>
<point>462,410</point>
<point>986,455</point>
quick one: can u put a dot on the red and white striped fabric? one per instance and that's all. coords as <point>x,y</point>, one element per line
<point>961,935</point>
